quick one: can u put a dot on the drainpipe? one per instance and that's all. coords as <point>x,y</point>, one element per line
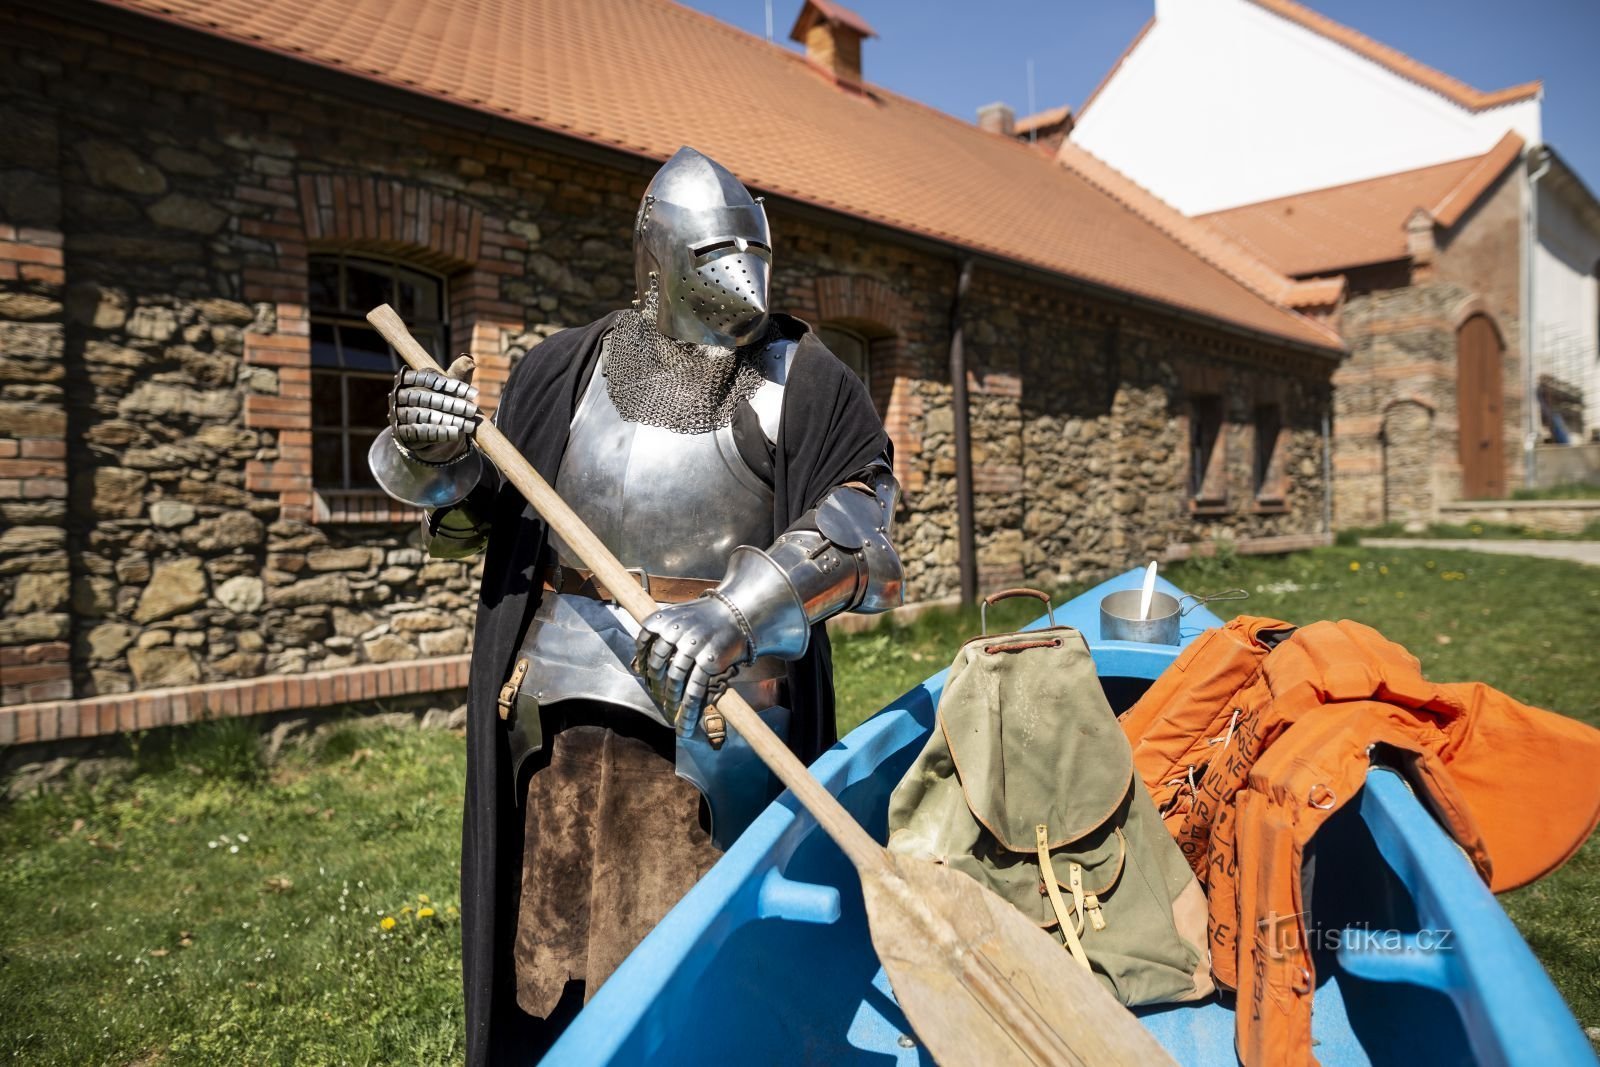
<point>1327,465</point>
<point>967,560</point>
<point>1530,384</point>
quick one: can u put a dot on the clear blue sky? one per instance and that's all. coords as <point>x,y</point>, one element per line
<point>959,55</point>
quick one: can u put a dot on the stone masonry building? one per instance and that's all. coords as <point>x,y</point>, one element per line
<point>1469,250</point>
<point>198,200</point>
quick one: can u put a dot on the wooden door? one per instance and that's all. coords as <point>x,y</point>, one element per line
<point>1480,408</point>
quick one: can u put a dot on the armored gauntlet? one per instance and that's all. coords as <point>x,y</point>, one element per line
<point>837,558</point>
<point>425,457</point>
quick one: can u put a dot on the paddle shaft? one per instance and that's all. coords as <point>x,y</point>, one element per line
<point>865,853</point>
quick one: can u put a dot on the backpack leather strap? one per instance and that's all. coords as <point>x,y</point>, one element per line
<point>1041,834</point>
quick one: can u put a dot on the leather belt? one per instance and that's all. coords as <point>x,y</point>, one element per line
<point>663,589</point>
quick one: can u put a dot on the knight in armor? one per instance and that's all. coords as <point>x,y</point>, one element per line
<point>740,471</point>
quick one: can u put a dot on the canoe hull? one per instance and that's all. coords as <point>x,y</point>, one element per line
<point>769,960</point>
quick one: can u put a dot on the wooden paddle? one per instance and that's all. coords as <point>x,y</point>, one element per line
<point>979,982</point>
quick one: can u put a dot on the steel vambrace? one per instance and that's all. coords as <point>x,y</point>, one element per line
<point>846,564</point>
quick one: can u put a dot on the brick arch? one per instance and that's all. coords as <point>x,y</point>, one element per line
<point>1475,305</point>
<point>853,298</point>
<point>429,227</point>
<point>884,316</point>
<point>1411,398</point>
<point>363,213</point>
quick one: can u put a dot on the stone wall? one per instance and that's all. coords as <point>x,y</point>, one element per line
<point>1396,453</point>
<point>1402,356</point>
<point>162,531</point>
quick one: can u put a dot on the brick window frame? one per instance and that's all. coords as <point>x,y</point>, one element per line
<point>1269,474</point>
<point>430,229</point>
<point>882,316</point>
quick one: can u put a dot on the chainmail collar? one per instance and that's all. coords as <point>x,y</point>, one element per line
<point>677,385</point>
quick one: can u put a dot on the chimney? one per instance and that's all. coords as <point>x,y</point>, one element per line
<point>997,118</point>
<point>832,35</point>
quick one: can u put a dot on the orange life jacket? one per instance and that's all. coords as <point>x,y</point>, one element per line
<point>1294,727</point>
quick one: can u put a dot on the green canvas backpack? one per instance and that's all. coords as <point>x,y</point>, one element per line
<point>1027,785</point>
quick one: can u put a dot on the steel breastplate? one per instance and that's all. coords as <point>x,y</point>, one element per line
<point>670,504</point>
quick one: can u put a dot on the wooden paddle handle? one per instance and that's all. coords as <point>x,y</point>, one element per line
<point>864,852</point>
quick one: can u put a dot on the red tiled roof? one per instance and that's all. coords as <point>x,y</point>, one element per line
<point>563,65</point>
<point>1209,244</point>
<point>1362,222</point>
<point>1040,120</point>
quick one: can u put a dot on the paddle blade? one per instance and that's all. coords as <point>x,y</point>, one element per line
<point>982,985</point>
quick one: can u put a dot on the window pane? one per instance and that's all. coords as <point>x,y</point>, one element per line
<point>366,288</point>
<point>323,351</point>
<point>327,460</point>
<point>429,339</point>
<point>324,283</point>
<point>369,401</point>
<point>364,349</point>
<point>326,409</point>
<point>360,472</point>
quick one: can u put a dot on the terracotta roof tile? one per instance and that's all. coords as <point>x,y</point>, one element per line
<point>1363,222</point>
<point>1215,247</point>
<point>562,65</point>
<point>1041,119</point>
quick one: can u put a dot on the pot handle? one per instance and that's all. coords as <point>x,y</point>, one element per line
<point>1226,594</point>
<point>1006,594</point>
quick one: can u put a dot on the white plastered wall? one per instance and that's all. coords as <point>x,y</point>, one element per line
<point>1566,299</point>
<point>1224,103</point>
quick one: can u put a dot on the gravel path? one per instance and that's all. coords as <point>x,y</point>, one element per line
<point>1578,551</point>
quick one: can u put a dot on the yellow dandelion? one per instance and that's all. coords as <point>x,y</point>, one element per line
<point>424,898</point>
<point>1354,566</point>
<point>1382,569</point>
<point>387,922</point>
<point>1429,564</point>
<point>424,913</point>
<point>406,910</point>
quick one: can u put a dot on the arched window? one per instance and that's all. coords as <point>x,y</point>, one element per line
<point>352,367</point>
<point>852,347</point>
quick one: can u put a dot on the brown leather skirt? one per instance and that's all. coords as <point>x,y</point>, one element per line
<point>613,838</point>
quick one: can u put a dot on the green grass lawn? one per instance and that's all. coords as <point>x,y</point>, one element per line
<point>208,910</point>
<point>207,913</point>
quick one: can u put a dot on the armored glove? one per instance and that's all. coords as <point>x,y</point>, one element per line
<point>688,652</point>
<point>837,558</point>
<point>434,414</point>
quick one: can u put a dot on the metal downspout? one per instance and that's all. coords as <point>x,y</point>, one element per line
<point>1530,384</point>
<point>967,558</point>
<point>1327,464</point>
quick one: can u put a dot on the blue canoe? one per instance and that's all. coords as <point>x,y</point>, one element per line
<point>767,960</point>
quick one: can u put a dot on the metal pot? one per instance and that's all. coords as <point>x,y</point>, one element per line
<point>1119,615</point>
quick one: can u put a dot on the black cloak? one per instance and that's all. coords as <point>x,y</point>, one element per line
<point>829,430</point>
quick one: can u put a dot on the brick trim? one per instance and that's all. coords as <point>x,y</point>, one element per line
<point>96,716</point>
<point>33,468</point>
<point>854,300</point>
<point>350,212</point>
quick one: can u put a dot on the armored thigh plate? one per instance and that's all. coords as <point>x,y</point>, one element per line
<point>579,649</point>
<point>736,784</point>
